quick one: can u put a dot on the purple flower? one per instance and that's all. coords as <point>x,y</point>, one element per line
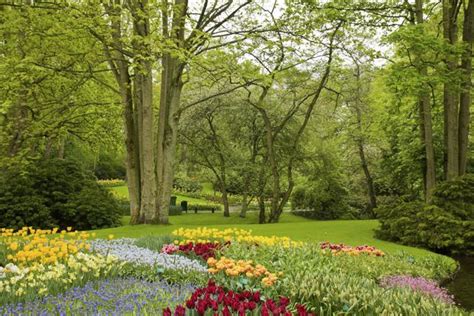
<point>419,284</point>
<point>106,297</point>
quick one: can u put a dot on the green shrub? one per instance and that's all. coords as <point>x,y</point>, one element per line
<point>456,197</point>
<point>175,210</point>
<point>110,167</point>
<point>20,205</point>
<point>55,193</point>
<point>204,207</point>
<point>186,185</point>
<point>446,225</point>
<point>123,205</point>
<point>320,201</point>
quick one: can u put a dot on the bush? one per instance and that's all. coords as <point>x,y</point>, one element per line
<point>123,205</point>
<point>55,193</point>
<point>319,202</point>
<point>186,185</point>
<point>109,167</point>
<point>175,210</point>
<point>203,207</point>
<point>446,225</point>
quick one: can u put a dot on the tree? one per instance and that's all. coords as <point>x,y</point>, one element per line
<point>50,90</point>
<point>466,100</point>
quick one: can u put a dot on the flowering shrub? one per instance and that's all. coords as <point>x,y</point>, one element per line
<point>28,246</point>
<point>125,250</point>
<point>246,268</point>
<point>128,296</point>
<point>29,282</point>
<point>217,300</point>
<point>353,251</point>
<point>420,284</point>
<point>205,235</point>
<point>204,250</point>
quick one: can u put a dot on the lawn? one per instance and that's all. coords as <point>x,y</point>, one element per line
<point>352,232</point>
<point>122,191</point>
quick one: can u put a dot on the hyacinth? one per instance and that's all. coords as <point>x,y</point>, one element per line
<point>354,251</point>
<point>125,250</point>
<point>420,284</point>
<point>106,297</point>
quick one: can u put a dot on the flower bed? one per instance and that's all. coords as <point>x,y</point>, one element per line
<point>217,300</point>
<point>203,250</point>
<point>428,287</point>
<point>353,251</point>
<point>115,296</point>
<point>53,272</point>
<point>125,250</point>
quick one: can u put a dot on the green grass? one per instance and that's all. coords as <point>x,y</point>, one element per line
<point>122,191</point>
<point>207,188</point>
<point>351,232</point>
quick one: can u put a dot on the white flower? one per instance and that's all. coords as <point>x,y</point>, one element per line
<point>12,268</point>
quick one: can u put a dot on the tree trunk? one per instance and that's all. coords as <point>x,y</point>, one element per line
<point>276,191</point>
<point>368,179</point>
<point>144,107</point>
<point>450,98</point>
<point>426,129</point>
<point>225,200</point>
<point>245,205</point>
<point>171,87</point>
<point>147,157</point>
<point>48,148</point>
<point>261,214</point>
<point>426,134</point>
<point>131,146</point>
<point>465,103</point>
<point>120,68</point>
<point>61,147</point>
<point>168,118</point>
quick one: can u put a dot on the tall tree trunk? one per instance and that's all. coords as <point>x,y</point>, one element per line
<point>144,96</point>
<point>147,157</point>
<point>171,87</point>
<point>276,190</point>
<point>426,129</point>
<point>168,118</point>
<point>131,146</point>
<point>465,103</point>
<point>450,98</point>
<point>120,67</point>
